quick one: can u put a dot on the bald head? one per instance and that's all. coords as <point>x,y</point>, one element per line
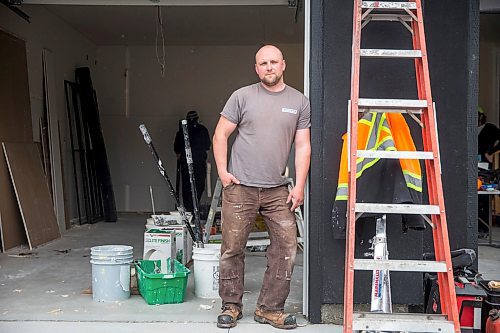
<point>268,50</point>
<point>270,65</point>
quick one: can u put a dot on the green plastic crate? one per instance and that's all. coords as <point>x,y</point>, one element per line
<point>158,288</point>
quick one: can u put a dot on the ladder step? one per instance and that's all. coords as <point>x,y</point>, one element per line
<point>388,5</point>
<point>407,155</point>
<point>379,208</point>
<point>400,265</point>
<point>389,17</point>
<point>379,110</point>
<point>388,53</point>
<point>373,103</point>
<point>401,322</point>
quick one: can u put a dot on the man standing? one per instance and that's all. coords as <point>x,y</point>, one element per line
<point>270,117</point>
<point>200,144</point>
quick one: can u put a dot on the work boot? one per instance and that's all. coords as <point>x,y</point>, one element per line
<point>230,314</point>
<point>278,319</point>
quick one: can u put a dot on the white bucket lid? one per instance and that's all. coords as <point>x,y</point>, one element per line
<point>112,248</point>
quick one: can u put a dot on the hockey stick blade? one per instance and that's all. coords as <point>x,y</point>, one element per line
<point>145,133</point>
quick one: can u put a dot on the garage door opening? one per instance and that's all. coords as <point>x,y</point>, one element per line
<point>152,64</point>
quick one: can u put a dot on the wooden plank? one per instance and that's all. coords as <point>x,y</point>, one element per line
<point>32,192</point>
<point>15,125</point>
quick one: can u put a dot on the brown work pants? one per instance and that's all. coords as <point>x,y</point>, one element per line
<point>240,205</point>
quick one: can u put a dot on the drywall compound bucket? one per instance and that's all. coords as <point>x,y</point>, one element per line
<point>206,271</point>
<point>111,272</point>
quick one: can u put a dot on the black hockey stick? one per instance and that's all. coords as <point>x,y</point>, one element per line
<point>180,208</point>
<point>178,176</point>
<point>194,194</point>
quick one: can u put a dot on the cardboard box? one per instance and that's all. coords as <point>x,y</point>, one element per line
<point>172,218</point>
<point>184,243</point>
<point>166,219</point>
<point>159,244</point>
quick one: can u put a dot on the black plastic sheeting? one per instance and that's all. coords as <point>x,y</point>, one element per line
<point>89,109</point>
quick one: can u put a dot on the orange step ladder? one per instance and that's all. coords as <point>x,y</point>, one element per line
<point>409,14</point>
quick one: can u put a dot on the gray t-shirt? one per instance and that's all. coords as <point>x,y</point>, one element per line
<point>267,122</point>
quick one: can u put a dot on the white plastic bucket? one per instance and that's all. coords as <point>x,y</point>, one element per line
<point>206,271</point>
<point>111,272</point>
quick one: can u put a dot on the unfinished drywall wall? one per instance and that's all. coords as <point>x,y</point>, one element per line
<point>489,66</point>
<point>132,91</point>
<point>69,50</point>
<point>488,80</point>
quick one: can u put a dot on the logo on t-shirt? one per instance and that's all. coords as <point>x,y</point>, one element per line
<point>287,110</point>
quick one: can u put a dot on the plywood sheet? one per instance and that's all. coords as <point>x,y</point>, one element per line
<point>15,126</point>
<point>15,111</point>
<point>11,223</point>
<point>32,192</point>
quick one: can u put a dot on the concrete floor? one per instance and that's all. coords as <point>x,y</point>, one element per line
<point>43,292</point>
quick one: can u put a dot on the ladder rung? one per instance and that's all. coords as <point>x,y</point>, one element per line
<point>407,155</point>
<point>378,110</point>
<point>379,208</point>
<point>387,53</point>
<point>388,5</point>
<point>400,265</point>
<point>404,322</point>
<point>374,103</point>
<point>389,17</point>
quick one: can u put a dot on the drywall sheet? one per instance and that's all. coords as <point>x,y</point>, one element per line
<point>32,192</point>
<point>15,126</point>
<point>55,148</point>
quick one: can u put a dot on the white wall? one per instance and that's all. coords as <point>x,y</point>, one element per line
<point>70,50</point>
<point>197,78</point>
<point>488,80</point>
<point>489,66</point>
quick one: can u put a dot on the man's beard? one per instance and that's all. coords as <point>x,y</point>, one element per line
<point>271,81</point>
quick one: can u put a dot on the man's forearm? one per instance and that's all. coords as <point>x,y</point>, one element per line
<point>302,162</point>
<point>220,154</point>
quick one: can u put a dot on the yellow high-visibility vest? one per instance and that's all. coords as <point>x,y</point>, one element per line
<point>380,131</point>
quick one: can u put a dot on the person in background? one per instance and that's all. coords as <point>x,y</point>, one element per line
<point>488,139</point>
<point>488,142</point>
<point>199,139</point>
<point>270,116</point>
